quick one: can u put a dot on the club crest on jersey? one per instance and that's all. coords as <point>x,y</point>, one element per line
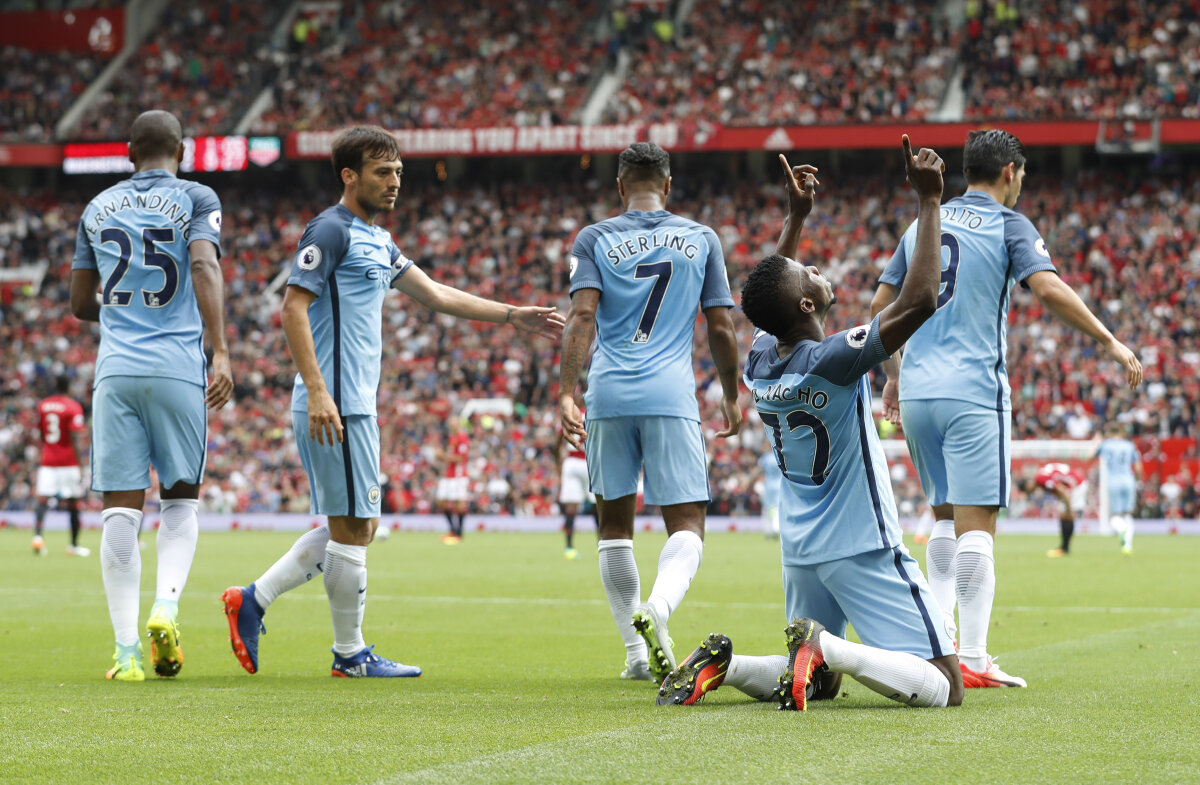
<point>857,336</point>
<point>309,258</point>
<point>373,494</point>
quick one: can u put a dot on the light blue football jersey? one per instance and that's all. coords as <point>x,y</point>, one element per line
<point>836,496</point>
<point>136,235</point>
<point>654,269</point>
<point>959,352</point>
<point>1119,457</point>
<point>348,264</point>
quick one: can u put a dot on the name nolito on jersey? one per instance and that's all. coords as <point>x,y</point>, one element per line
<point>174,211</point>
<point>784,392</point>
<point>644,242</point>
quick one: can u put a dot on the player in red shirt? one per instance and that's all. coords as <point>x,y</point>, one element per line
<point>453,487</point>
<point>60,475</point>
<point>574,488</point>
<point>1070,486</point>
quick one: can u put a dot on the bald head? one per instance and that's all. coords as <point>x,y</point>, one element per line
<point>154,134</point>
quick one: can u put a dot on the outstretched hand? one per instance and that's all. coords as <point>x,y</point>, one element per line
<point>801,187</point>
<point>1129,361</point>
<point>923,170</point>
<point>539,320</point>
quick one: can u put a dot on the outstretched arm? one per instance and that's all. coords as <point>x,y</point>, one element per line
<point>577,342</point>
<point>438,297</point>
<point>1063,302</point>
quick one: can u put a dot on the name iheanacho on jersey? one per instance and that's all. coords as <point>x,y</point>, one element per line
<point>643,243</point>
<point>785,392</point>
<point>174,211</point>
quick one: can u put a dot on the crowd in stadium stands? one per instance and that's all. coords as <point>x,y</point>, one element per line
<point>1108,59</point>
<point>457,63</point>
<point>1132,252</point>
<point>454,63</point>
<point>766,62</point>
<point>37,89</point>
<point>207,60</point>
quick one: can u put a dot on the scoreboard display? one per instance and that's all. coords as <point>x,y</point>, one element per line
<point>200,154</point>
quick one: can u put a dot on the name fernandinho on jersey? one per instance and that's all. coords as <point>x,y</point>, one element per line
<point>644,242</point>
<point>174,211</point>
<point>783,392</point>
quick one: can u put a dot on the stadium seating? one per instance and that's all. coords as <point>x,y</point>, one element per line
<point>766,62</point>
<point>1099,59</point>
<point>195,64</point>
<point>37,88</point>
<point>1130,251</point>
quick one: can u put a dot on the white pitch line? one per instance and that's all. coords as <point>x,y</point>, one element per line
<point>707,604</point>
<point>566,601</point>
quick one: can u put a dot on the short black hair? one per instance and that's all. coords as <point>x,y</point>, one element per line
<point>62,384</point>
<point>154,134</point>
<point>355,144</point>
<point>642,161</point>
<point>760,294</point>
<point>988,152</point>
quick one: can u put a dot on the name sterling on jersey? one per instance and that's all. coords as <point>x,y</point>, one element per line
<point>643,243</point>
<point>157,202</point>
<point>783,392</point>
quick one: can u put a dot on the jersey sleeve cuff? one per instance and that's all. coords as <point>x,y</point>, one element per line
<point>308,286</point>
<point>717,302</point>
<point>585,284</point>
<point>1046,267</point>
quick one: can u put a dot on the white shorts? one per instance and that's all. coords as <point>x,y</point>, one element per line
<point>573,489</point>
<point>452,489</point>
<point>62,482</point>
<point>1079,498</point>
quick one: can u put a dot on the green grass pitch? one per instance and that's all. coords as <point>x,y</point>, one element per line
<point>521,660</point>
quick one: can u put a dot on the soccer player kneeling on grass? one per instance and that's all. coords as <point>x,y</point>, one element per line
<point>332,315</point>
<point>843,554</point>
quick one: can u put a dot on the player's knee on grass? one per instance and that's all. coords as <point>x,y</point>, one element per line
<point>950,669</point>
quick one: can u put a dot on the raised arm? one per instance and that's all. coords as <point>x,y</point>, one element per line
<point>210,298</point>
<point>917,300</point>
<point>801,186</point>
<point>544,321</point>
<point>722,342</point>
<point>1062,301</point>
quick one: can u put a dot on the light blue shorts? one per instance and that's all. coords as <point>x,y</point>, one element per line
<point>1120,498</point>
<point>882,593</point>
<point>142,420</point>
<point>671,448</point>
<point>961,451</point>
<point>343,479</point>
